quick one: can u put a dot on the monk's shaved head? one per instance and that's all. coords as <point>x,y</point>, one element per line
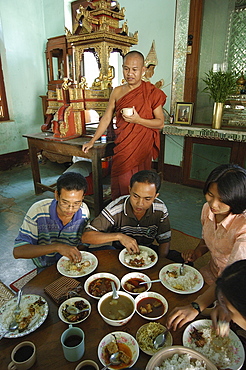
<point>134,54</point>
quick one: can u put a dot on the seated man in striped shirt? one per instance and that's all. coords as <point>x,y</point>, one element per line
<point>136,219</point>
<point>53,228</point>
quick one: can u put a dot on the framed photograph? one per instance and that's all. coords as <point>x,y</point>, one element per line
<point>183,113</point>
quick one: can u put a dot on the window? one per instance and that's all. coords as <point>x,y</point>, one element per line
<point>4,114</point>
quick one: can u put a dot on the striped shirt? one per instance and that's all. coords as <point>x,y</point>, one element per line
<point>118,216</point>
<point>42,225</point>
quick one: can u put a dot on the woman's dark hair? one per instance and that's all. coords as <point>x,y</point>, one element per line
<point>232,285</point>
<point>71,181</point>
<point>148,177</point>
<point>231,182</point>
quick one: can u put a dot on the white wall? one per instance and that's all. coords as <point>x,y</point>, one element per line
<point>22,54</point>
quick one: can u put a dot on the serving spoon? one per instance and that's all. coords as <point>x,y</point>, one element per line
<point>115,294</point>
<point>74,310</point>
<point>113,360</point>
<point>160,340</point>
<point>151,281</point>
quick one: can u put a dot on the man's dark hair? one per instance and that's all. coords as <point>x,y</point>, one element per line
<point>148,177</point>
<point>232,285</point>
<point>134,53</point>
<point>71,181</point>
<point>231,183</point>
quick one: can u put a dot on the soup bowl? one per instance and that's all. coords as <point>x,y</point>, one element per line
<point>130,283</point>
<point>97,293</point>
<point>116,312</point>
<point>158,305</point>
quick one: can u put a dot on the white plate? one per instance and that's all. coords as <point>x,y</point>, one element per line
<point>150,251</point>
<point>152,351</point>
<point>235,349</point>
<point>70,301</point>
<point>121,337</point>
<point>86,256</point>
<point>197,278</point>
<point>27,299</point>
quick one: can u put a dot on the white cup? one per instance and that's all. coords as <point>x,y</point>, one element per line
<point>85,364</point>
<point>127,111</point>
<point>73,343</point>
<point>23,356</point>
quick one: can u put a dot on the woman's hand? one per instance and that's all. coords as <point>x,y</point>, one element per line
<point>221,320</point>
<point>189,255</point>
<point>180,316</point>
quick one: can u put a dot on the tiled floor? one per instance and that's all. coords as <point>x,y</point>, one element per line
<point>17,195</point>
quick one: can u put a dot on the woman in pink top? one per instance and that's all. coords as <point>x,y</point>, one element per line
<point>224,235</point>
<point>223,221</point>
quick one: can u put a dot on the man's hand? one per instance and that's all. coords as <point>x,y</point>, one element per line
<point>180,316</point>
<point>134,118</point>
<point>130,243</point>
<point>70,252</point>
<point>87,146</point>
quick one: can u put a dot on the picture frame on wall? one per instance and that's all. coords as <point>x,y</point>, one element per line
<point>183,113</point>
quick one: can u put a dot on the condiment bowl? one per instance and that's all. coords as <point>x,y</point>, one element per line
<point>108,296</point>
<point>71,301</point>
<point>135,276</point>
<point>100,275</point>
<point>122,339</point>
<point>152,298</point>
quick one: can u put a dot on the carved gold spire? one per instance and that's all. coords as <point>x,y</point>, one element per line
<point>152,56</point>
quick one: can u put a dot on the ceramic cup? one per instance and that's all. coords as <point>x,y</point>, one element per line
<point>73,343</point>
<point>23,356</point>
<point>87,365</point>
<point>127,111</point>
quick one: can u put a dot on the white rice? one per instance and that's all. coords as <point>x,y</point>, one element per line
<point>143,254</point>
<point>182,282</point>
<point>218,349</point>
<point>181,362</point>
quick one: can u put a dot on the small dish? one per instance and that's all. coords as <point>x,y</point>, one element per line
<point>158,305</point>
<point>123,340</point>
<point>147,333</point>
<point>101,275</point>
<point>71,302</point>
<point>133,279</point>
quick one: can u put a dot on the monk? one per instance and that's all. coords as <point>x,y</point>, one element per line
<point>137,136</point>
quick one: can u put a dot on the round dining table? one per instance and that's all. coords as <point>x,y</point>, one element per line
<point>47,336</point>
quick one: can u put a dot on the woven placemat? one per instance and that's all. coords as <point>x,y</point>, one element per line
<point>23,280</point>
<point>5,294</point>
<point>58,289</point>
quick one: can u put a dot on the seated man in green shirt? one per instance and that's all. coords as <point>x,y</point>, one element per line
<point>136,219</point>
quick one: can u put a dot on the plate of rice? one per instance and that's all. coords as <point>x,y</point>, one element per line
<point>144,260</point>
<point>190,282</point>
<point>147,333</point>
<point>34,310</point>
<point>179,358</point>
<point>224,352</point>
<point>87,264</point>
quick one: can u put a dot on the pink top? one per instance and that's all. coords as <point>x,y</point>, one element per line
<point>225,240</point>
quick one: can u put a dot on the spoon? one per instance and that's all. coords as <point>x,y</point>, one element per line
<point>12,327</point>
<point>181,269</point>
<point>115,294</point>
<point>151,281</point>
<point>160,340</point>
<point>74,310</point>
<point>113,360</point>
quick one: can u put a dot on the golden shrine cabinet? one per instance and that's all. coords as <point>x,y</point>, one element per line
<point>96,30</point>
